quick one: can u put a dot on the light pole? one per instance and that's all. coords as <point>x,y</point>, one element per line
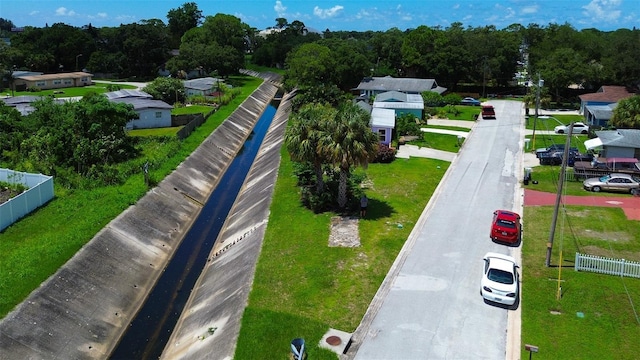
<point>535,118</point>
<point>77,56</point>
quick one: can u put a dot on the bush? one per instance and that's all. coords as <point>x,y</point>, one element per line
<point>385,154</point>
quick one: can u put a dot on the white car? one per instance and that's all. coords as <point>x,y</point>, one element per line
<point>500,279</point>
<point>578,128</point>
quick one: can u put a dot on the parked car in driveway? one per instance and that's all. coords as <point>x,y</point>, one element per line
<point>578,128</point>
<point>615,182</point>
<point>500,279</point>
<point>470,101</point>
<point>506,226</point>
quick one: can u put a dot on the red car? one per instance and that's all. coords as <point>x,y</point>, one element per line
<point>505,227</point>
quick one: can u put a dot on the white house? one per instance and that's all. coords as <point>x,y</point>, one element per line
<point>206,86</point>
<point>383,121</point>
<point>151,113</point>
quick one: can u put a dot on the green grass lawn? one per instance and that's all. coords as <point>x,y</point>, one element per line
<point>35,247</point>
<point>99,88</point>
<point>549,123</point>
<point>437,141</point>
<point>609,327</point>
<point>303,287</point>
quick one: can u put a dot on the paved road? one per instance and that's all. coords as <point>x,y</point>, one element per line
<point>429,306</point>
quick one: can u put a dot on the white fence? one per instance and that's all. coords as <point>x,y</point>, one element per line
<point>620,267</point>
<point>40,191</point>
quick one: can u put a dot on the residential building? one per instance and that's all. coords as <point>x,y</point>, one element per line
<point>371,86</point>
<point>401,103</point>
<point>593,105</point>
<point>621,143</point>
<point>52,81</point>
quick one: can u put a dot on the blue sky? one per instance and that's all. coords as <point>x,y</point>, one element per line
<point>357,15</point>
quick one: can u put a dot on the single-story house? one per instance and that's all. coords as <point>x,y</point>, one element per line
<point>401,103</point>
<point>22,103</point>
<point>127,93</point>
<point>599,115</point>
<point>52,81</point>
<point>621,143</point>
<point>152,113</point>
<point>606,95</point>
<point>383,121</point>
<point>206,86</point>
<point>372,86</point>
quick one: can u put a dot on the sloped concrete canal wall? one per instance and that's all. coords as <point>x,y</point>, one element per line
<point>210,323</point>
<point>84,308</point>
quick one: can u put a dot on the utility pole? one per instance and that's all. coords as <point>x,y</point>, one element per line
<point>535,118</point>
<point>565,157</point>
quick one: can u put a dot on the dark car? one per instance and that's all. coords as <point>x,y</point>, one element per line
<point>470,101</point>
<point>506,227</point>
<point>554,157</point>
<point>488,112</point>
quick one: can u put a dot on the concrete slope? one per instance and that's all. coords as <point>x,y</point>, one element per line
<point>82,310</point>
<point>210,324</point>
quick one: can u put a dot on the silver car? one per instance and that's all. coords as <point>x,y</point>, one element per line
<point>613,182</point>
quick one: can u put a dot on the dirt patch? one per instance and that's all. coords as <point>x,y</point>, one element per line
<point>6,194</point>
<point>344,231</point>
<point>627,255</point>
<point>612,236</point>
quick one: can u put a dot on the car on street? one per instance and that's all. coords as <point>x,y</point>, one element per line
<point>578,128</point>
<point>488,112</point>
<point>506,227</point>
<point>499,282</point>
<point>470,101</point>
<point>615,182</point>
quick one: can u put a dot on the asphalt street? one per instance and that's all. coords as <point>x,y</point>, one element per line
<point>429,306</point>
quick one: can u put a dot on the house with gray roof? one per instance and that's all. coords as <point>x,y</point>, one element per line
<point>206,86</point>
<point>23,103</point>
<point>401,103</point>
<point>371,86</point>
<point>127,93</point>
<point>599,115</point>
<point>621,143</point>
<point>151,113</point>
<point>606,95</point>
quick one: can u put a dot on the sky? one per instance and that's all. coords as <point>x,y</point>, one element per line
<point>336,15</point>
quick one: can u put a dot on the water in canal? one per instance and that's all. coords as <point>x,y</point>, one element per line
<point>150,330</point>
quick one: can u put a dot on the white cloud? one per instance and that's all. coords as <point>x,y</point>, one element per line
<point>599,10</point>
<point>456,6</point>
<point>102,15</point>
<point>62,11</point>
<point>36,12</point>
<point>529,9</point>
<point>328,13</point>
<point>280,9</point>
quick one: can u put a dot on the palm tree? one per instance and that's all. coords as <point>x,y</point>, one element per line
<point>303,136</point>
<point>350,143</point>
<point>627,113</point>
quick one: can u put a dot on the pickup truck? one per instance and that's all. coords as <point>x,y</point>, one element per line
<point>554,148</point>
<point>554,157</point>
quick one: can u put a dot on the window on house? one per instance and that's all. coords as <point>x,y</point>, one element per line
<point>158,114</point>
<point>67,81</point>
<point>41,83</point>
<point>57,82</point>
<point>382,134</point>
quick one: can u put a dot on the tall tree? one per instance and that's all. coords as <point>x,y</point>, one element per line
<point>183,18</point>
<point>627,114</point>
<point>351,143</point>
<point>302,137</point>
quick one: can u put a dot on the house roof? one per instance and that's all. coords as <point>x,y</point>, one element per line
<point>407,85</point>
<point>629,138</point>
<point>364,106</point>
<point>127,93</point>
<point>143,103</point>
<point>383,118</point>
<point>73,75</point>
<point>398,100</point>
<point>602,112</point>
<point>608,94</point>
<point>206,83</point>
<point>22,99</point>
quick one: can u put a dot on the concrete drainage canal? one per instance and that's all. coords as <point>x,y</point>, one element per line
<point>150,330</point>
